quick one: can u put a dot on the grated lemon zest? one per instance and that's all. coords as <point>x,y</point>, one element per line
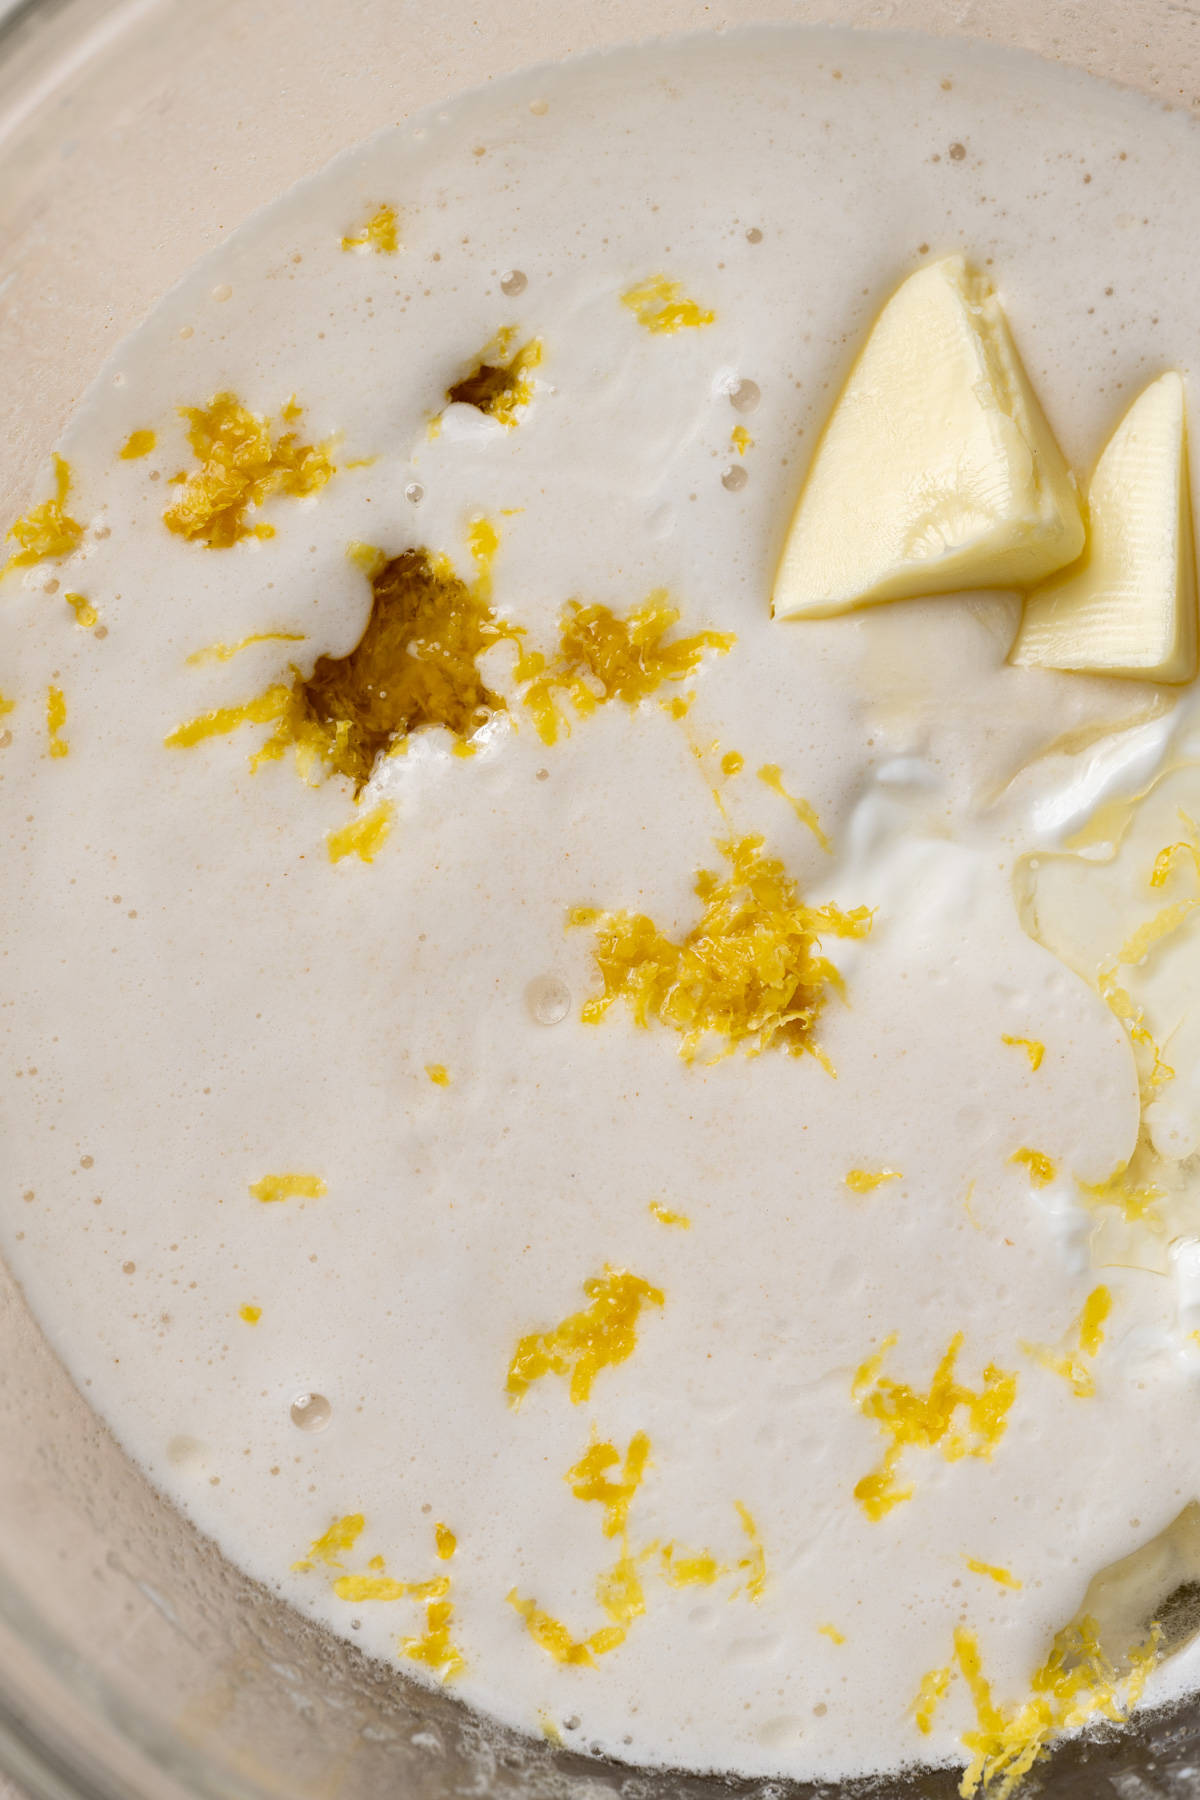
<point>909,1418</point>
<point>47,531</point>
<point>380,233</point>
<point>56,718</point>
<point>1041,1169</point>
<point>271,1188</point>
<point>334,1543</point>
<point>599,1337</point>
<point>589,1479</point>
<point>665,1216</point>
<point>438,1074</point>
<point>862,1181</point>
<point>749,971</point>
<point>771,776</point>
<point>1085,1337</point>
<point>241,464</point>
<point>661,306</point>
<point>1033,1048</point>
<point>602,657</point>
<point>138,443</point>
<point>362,837</point>
<point>993,1571</point>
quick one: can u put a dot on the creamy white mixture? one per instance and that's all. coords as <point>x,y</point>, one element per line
<point>195,996</point>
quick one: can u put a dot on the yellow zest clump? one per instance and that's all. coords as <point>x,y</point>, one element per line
<point>660,305</point>
<point>436,1649</point>
<point>700,1568</point>
<point>924,1421</point>
<point>1075,1684</point>
<point>771,776</point>
<point>832,1633</point>
<point>1084,1339</point>
<point>264,708</point>
<point>690,1568</point>
<point>929,1696</point>
<point>438,1074</point>
<point>498,387</point>
<point>1041,1170</point>
<point>380,1586</point>
<point>415,667</point>
<point>732,763</point>
<point>741,440</point>
<point>250,1315</point>
<point>1033,1048</point>
<point>749,971</point>
<point>85,613</point>
<point>222,653</point>
<point>380,233</point>
<point>241,464</point>
<point>993,1571</point>
<point>271,1188</point>
<point>333,1544</point>
<point>599,1337</point>
<point>863,1181</point>
<point>444,1541</point>
<point>362,837</point>
<point>56,718</point>
<point>552,1636</point>
<point>6,705</point>
<point>603,657</point>
<point>620,1593</point>
<point>138,443</point>
<point>754,1564</point>
<point>665,1216</point>
<point>590,1479</point>
<point>46,531</point>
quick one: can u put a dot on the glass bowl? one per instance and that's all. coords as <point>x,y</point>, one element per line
<point>134,1660</point>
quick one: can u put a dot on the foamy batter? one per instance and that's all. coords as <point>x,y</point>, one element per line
<point>199,998</point>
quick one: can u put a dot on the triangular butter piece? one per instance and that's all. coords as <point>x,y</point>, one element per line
<point>1128,607</point>
<point>937,469</point>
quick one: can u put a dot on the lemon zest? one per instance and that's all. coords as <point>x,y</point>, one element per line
<point>771,776</point>
<point>665,1216</point>
<point>1076,1683</point>
<point>832,1633</point>
<point>241,464</point>
<point>924,1421</point>
<point>380,233</point>
<point>438,1074</point>
<point>598,1337</point>
<point>85,613</point>
<point>250,1314</point>
<point>445,1542</point>
<point>1033,1048</point>
<point>334,1543</point>
<point>222,653</point>
<point>56,718</point>
<point>1085,1337</point>
<point>749,971</point>
<point>138,443</point>
<point>362,837</point>
<point>435,1649</point>
<point>46,531</point>
<point>271,1188</point>
<point>863,1181</point>
<point>1041,1169</point>
<point>741,440</point>
<point>661,306</point>
<point>603,657</point>
<point>589,1479</point>
<point>994,1572</point>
